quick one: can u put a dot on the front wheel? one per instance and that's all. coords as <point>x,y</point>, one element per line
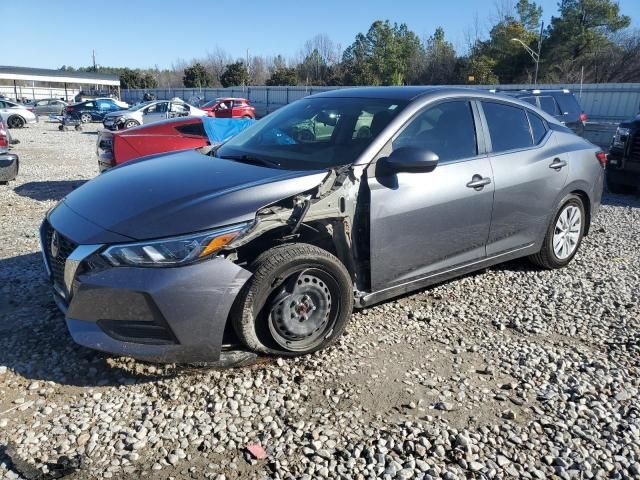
<point>130,124</point>
<point>85,118</point>
<point>298,301</point>
<point>564,235</point>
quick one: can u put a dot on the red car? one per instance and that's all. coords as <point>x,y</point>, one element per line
<point>117,147</point>
<point>229,107</point>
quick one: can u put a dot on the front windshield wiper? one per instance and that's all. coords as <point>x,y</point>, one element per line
<point>251,159</point>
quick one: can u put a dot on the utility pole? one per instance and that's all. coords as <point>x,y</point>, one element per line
<point>94,60</point>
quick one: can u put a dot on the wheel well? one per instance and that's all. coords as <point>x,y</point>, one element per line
<point>314,233</point>
<point>587,208</point>
<point>18,116</point>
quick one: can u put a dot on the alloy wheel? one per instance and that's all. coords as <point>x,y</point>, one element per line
<point>566,234</point>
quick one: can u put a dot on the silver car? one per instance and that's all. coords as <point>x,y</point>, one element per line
<point>149,112</point>
<point>16,115</point>
<point>48,106</point>
<point>342,199</point>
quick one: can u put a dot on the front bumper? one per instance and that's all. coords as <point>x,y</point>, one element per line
<point>9,165</point>
<point>156,314</point>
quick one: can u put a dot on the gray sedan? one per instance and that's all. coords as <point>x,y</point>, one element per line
<point>48,106</point>
<point>149,112</point>
<point>342,199</point>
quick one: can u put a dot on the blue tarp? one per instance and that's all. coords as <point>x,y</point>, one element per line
<point>220,130</point>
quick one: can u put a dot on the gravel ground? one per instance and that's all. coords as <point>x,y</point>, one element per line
<point>511,372</point>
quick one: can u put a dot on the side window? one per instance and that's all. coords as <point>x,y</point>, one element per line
<point>538,127</point>
<point>531,100</point>
<point>446,129</point>
<point>508,126</point>
<point>89,105</point>
<point>42,103</point>
<point>549,105</point>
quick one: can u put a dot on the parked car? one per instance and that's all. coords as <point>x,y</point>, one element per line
<point>94,110</point>
<point>93,94</point>
<point>229,107</point>
<point>48,106</point>
<point>273,240</point>
<point>15,115</point>
<point>623,167</point>
<point>9,162</point>
<point>560,103</point>
<point>149,112</point>
<point>116,148</point>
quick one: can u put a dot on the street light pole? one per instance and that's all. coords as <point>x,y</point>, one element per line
<point>535,55</point>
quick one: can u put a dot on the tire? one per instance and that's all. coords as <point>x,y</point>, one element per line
<point>61,128</point>
<point>16,121</point>
<point>130,124</point>
<point>297,301</point>
<point>85,117</point>
<point>549,257</point>
<point>248,117</point>
<point>78,128</point>
<point>616,187</point>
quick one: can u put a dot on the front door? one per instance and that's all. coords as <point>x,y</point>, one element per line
<point>423,223</point>
<point>155,112</point>
<point>529,171</point>
<point>224,109</point>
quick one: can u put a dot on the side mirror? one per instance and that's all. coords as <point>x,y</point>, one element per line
<point>412,159</point>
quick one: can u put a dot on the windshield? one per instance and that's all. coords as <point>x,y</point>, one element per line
<point>314,133</point>
<point>140,105</point>
<point>210,103</point>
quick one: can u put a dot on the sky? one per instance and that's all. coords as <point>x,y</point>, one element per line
<point>148,33</point>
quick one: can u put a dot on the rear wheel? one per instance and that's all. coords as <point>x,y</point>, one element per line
<point>85,117</point>
<point>298,301</point>
<point>616,187</point>
<point>16,121</point>
<point>564,235</point>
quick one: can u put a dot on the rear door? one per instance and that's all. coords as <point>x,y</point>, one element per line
<point>426,222</point>
<point>224,109</point>
<point>529,171</point>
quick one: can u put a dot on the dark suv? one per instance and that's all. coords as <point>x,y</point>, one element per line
<point>92,110</point>
<point>559,103</point>
<point>623,167</point>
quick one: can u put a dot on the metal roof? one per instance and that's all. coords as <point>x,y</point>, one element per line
<point>60,76</point>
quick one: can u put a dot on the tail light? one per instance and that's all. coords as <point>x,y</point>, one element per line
<point>602,158</point>
<point>583,117</point>
<point>29,108</point>
<point>4,141</point>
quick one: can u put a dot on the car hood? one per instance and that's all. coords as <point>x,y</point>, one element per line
<point>183,192</point>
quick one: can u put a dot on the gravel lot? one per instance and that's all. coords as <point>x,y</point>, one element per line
<point>511,372</point>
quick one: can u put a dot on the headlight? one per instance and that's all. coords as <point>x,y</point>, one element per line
<point>173,251</point>
<point>620,137</point>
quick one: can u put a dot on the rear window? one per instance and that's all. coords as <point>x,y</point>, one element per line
<point>508,126</point>
<point>549,105</point>
<point>569,105</point>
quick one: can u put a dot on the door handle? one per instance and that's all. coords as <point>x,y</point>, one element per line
<point>478,182</point>
<point>558,164</point>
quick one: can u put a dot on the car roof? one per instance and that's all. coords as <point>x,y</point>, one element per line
<point>535,91</point>
<point>392,93</point>
<point>230,98</point>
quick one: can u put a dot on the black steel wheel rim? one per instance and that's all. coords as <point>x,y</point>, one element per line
<point>302,311</point>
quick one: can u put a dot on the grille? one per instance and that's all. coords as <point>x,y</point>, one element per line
<point>56,263</point>
<point>634,148</point>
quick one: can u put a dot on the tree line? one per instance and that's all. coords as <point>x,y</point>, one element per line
<point>587,40</point>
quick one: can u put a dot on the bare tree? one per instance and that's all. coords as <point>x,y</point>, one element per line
<point>216,62</point>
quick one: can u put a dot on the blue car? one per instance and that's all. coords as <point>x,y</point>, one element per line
<point>93,110</point>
